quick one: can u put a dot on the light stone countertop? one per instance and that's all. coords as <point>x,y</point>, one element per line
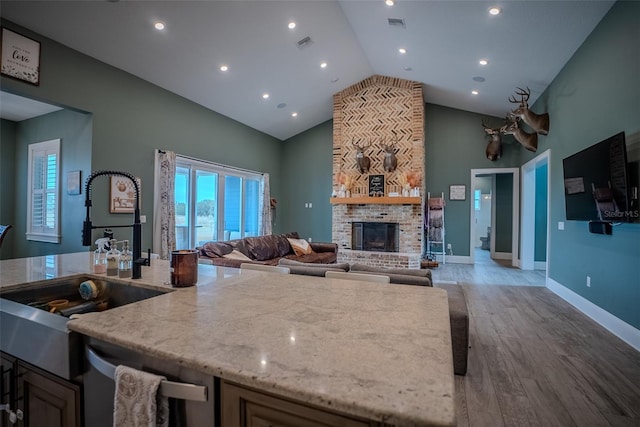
<point>381,352</point>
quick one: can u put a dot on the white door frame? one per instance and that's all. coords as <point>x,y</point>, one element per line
<point>515,220</point>
<point>527,237</point>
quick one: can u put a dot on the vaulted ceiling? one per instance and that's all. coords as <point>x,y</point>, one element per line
<point>526,44</point>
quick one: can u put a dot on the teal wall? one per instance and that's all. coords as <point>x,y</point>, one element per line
<point>504,212</point>
<point>132,117</point>
<point>74,131</point>
<point>596,95</point>
<point>307,178</point>
<point>540,251</point>
<point>454,144</point>
<point>7,188</point>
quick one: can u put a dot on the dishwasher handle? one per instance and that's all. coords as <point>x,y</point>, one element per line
<point>172,389</point>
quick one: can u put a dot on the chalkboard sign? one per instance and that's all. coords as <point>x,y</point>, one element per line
<point>376,185</point>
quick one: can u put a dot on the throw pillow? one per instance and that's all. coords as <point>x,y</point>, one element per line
<point>236,254</point>
<point>300,246</point>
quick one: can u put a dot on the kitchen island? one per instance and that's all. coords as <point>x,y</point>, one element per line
<point>373,352</point>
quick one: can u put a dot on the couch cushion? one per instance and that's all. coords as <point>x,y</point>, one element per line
<point>266,247</point>
<point>216,249</point>
<point>300,246</point>
<point>236,254</point>
<point>403,271</point>
<point>315,257</point>
<point>294,263</point>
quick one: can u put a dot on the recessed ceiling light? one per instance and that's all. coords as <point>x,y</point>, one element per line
<point>483,62</point>
<point>495,11</point>
<point>408,68</point>
<point>335,79</point>
<point>402,50</point>
<point>224,68</point>
<point>291,25</point>
<point>478,79</point>
<point>389,2</point>
<point>282,105</point>
<point>294,114</point>
<point>474,92</point>
<point>323,65</point>
<point>265,96</point>
<point>159,25</point>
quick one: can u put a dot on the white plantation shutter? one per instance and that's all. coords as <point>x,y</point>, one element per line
<point>44,187</point>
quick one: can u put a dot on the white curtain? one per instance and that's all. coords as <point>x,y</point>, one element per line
<point>265,203</point>
<point>164,213</point>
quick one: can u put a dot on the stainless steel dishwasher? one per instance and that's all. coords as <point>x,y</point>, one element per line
<point>191,393</point>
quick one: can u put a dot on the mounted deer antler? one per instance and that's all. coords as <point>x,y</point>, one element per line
<point>527,140</point>
<point>494,147</point>
<point>363,162</point>
<point>537,122</point>
<point>390,162</point>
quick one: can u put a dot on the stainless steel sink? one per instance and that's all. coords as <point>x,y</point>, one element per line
<point>30,332</point>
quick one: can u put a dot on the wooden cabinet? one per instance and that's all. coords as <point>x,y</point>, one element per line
<point>244,407</point>
<point>38,398</point>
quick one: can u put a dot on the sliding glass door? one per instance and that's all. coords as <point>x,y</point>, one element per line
<point>214,203</point>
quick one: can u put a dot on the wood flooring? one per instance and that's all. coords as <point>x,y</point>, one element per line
<point>534,360</point>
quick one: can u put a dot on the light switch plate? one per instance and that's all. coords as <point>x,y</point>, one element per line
<point>560,225</point>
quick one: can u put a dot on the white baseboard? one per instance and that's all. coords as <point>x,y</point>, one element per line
<point>539,265</point>
<point>502,255</point>
<point>455,259</point>
<point>619,328</point>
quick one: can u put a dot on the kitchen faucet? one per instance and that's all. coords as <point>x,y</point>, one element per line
<point>138,261</point>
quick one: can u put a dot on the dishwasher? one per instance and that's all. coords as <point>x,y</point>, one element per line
<point>191,393</point>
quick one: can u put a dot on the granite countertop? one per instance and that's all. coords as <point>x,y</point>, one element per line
<point>381,352</point>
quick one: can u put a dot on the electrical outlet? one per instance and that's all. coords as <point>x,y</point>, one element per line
<point>143,219</point>
<point>449,246</point>
<point>588,281</point>
<point>560,225</point>
<point>309,239</point>
<point>310,205</point>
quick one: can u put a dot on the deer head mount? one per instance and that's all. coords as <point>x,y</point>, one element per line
<point>527,140</point>
<point>390,162</point>
<point>362,161</point>
<point>538,122</point>
<point>494,147</point>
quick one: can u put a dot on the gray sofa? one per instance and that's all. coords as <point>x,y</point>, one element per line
<point>458,313</point>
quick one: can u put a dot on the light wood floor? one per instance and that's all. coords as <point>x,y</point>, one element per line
<point>534,360</point>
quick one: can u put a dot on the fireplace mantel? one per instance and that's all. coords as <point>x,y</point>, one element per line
<point>375,200</point>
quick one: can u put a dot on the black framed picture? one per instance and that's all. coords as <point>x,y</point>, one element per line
<point>20,57</point>
<point>376,185</point>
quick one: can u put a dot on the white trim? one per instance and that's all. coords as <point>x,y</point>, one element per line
<point>44,233</point>
<point>502,255</point>
<point>527,239</point>
<point>616,326</point>
<point>539,265</point>
<point>515,218</point>
<point>458,259</point>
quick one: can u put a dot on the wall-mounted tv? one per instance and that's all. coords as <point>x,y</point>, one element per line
<point>596,183</point>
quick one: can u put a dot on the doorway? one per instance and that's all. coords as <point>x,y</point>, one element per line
<point>505,188</point>
<point>534,248</point>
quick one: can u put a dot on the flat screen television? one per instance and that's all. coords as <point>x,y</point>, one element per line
<point>596,183</point>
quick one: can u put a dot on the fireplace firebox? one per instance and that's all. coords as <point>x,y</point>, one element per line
<point>375,236</point>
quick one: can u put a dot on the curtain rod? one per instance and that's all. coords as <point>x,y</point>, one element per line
<point>233,168</point>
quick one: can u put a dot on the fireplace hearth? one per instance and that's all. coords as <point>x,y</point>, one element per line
<point>375,236</point>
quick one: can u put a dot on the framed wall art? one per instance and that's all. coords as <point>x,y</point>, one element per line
<point>20,57</point>
<point>457,192</point>
<point>122,195</point>
<point>73,182</point>
<point>376,185</point>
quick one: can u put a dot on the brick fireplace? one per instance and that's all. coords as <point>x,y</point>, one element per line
<point>381,110</point>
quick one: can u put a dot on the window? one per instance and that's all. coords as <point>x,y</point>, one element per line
<point>43,201</point>
<point>215,202</point>
<point>476,199</point>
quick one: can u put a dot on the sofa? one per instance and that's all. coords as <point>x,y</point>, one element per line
<point>458,312</point>
<point>267,250</point>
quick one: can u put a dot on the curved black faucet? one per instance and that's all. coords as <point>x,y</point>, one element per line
<point>138,261</point>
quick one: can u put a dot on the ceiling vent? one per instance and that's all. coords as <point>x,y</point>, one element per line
<point>305,42</point>
<point>396,22</point>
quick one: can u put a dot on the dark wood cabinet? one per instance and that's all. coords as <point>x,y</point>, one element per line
<point>243,407</point>
<point>47,400</point>
<point>38,398</point>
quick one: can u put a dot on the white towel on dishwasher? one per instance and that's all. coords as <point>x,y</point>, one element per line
<point>137,401</point>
